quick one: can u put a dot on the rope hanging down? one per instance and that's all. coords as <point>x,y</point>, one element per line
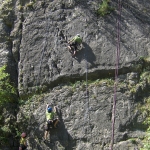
<point>116,72</point>
<point>86,96</point>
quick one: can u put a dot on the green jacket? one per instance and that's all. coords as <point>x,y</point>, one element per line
<point>23,141</point>
<point>77,40</point>
<point>50,116</point>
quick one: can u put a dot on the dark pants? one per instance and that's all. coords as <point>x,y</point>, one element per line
<point>74,45</point>
<point>23,146</point>
<point>50,123</point>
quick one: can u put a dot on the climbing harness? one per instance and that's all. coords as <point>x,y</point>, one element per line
<point>116,74</point>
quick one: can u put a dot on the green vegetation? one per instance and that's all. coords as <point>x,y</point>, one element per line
<point>7,96</point>
<point>7,91</point>
<point>6,12</point>
<point>20,8</point>
<point>98,82</point>
<point>30,99</point>
<point>146,112</point>
<point>30,4</point>
<point>5,3</point>
<point>27,6</point>
<point>147,59</point>
<point>6,129</point>
<point>104,8</point>
<point>145,108</point>
<point>133,140</point>
<point>145,76</point>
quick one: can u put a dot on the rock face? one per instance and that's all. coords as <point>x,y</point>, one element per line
<point>85,117</point>
<point>33,42</point>
<point>42,29</point>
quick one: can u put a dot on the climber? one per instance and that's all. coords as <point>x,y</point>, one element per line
<point>50,121</point>
<point>74,43</point>
<point>23,142</point>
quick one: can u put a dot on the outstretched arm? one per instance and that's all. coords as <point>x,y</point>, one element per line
<point>71,40</point>
<point>55,109</point>
<point>47,106</point>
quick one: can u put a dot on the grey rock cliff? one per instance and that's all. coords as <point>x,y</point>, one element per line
<point>85,119</point>
<point>39,31</point>
<point>45,26</point>
<point>33,43</point>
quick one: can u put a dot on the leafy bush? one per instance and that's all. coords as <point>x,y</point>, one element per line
<point>7,95</point>
<point>7,91</point>
<point>104,8</point>
<point>146,110</point>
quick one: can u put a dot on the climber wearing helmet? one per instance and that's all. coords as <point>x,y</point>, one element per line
<point>23,142</point>
<point>50,121</point>
<point>75,42</point>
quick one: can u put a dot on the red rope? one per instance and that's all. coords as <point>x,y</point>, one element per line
<point>116,73</point>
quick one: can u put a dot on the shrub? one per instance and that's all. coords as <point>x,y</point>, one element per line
<point>104,8</point>
<point>7,91</point>
<point>146,110</point>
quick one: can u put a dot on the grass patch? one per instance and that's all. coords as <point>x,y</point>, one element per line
<point>30,5</point>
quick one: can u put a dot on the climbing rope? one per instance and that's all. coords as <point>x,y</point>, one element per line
<point>116,73</point>
<point>86,96</point>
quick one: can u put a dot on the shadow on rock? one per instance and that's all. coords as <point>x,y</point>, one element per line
<point>87,54</point>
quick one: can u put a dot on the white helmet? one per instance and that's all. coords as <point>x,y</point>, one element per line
<point>78,35</point>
